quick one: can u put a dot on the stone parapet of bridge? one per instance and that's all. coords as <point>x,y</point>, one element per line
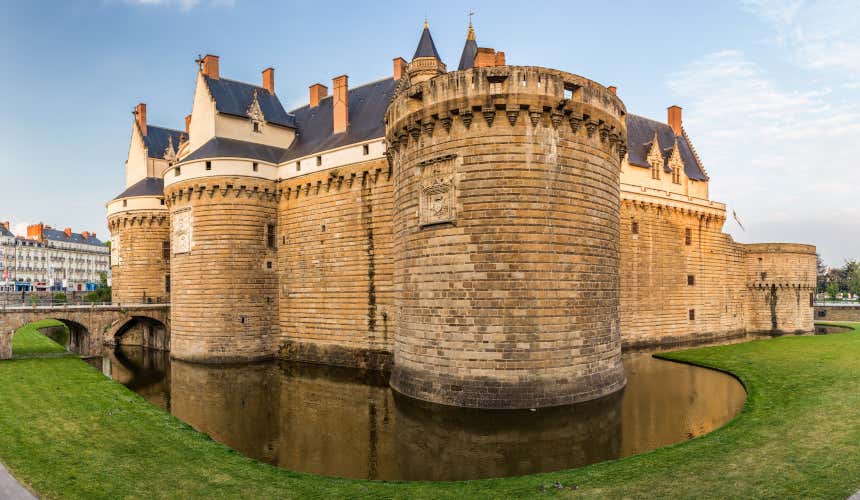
<point>90,326</point>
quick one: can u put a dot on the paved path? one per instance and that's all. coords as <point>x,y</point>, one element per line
<point>855,496</point>
<point>11,489</point>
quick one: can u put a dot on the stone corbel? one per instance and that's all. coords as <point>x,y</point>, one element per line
<point>466,115</point>
<point>556,117</point>
<point>512,112</point>
<point>489,113</point>
<point>445,118</point>
<point>535,117</point>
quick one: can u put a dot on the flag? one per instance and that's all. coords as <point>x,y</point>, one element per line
<point>738,220</point>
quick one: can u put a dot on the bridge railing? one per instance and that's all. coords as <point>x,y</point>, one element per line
<point>79,307</point>
<point>23,299</point>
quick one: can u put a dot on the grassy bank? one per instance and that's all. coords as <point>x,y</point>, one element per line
<point>67,431</point>
<point>28,341</point>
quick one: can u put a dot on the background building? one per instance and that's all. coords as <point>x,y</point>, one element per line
<point>50,259</point>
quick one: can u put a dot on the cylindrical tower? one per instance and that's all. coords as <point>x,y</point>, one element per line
<point>223,263</point>
<point>140,232</point>
<point>781,281</point>
<point>506,216</point>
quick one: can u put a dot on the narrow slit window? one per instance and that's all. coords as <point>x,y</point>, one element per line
<point>688,236</point>
<point>270,235</point>
<point>298,166</point>
<point>319,160</point>
<point>634,227</point>
<point>208,165</point>
<point>691,280</point>
<point>692,314</point>
<point>255,167</point>
<point>165,249</point>
<point>176,171</point>
<point>365,150</point>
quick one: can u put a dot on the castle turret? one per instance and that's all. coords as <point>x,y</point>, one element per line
<point>781,283</point>
<point>426,62</point>
<point>470,50</point>
<point>506,216</point>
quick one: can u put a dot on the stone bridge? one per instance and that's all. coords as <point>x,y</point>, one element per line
<point>92,326</point>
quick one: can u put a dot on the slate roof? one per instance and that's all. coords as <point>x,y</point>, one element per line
<point>57,235</point>
<point>6,232</point>
<point>426,47</point>
<point>156,140</point>
<point>367,105</point>
<point>221,147</point>
<point>640,133</point>
<point>234,98</point>
<point>467,58</point>
<point>149,186</point>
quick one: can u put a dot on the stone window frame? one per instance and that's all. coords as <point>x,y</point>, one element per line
<point>691,280</point>
<point>692,314</point>
<point>688,236</point>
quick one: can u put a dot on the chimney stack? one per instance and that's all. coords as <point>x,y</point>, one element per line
<point>36,232</point>
<point>140,116</point>
<point>613,89</point>
<point>86,234</point>
<point>399,67</point>
<point>68,232</point>
<point>210,66</point>
<point>318,92</point>
<point>675,119</point>
<point>487,57</point>
<point>188,124</point>
<point>269,80</point>
<point>340,103</point>
<point>5,224</point>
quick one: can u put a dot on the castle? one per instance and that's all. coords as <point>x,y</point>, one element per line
<point>493,235</point>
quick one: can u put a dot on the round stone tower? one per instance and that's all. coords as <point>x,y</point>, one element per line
<point>506,223</point>
<point>140,232</point>
<point>223,259</point>
<point>781,281</point>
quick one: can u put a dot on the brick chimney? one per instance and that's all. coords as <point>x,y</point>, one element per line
<point>5,224</point>
<point>188,124</point>
<point>86,235</point>
<point>486,57</point>
<point>68,232</point>
<point>140,116</point>
<point>269,80</point>
<point>613,89</point>
<point>500,58</point>
<point>36,232</point>
<point>340,103</point>
<point>318,92</point>
<point>93,235</point>
<point>675,119</point>
<point>399,67</point>
<point>210,67</point>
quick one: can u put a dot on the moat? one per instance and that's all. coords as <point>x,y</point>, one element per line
<point>342,422</point>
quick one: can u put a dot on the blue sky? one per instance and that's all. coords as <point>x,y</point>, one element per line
<point>769,88</point>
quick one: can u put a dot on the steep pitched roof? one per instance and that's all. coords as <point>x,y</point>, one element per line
<point>57,235</point>
<point>470,50</point>
<point>148,186</point>
<point>157,139</point>
<point>234,98</point>
<point>222,147</point>
<point>6,232</point>
<point>426,47</point>
<point>367,105</point>
<point>640,134</point>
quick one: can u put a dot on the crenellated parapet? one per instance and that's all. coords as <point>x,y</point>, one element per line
<point>502,96</point>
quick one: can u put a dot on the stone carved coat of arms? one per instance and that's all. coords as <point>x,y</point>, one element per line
<point>182,231</point>
<point>437,191</point>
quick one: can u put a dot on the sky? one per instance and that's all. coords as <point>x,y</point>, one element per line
<point>770,88</point>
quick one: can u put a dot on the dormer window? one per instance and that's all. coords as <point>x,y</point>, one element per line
<point>255,113</point>
<point>256,126</point>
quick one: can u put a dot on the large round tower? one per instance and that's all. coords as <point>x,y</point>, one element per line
<point>506,223</point>
<point>140,233</point>
<point>223,264</point>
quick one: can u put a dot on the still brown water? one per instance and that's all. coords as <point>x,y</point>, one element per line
<point>342,422</point>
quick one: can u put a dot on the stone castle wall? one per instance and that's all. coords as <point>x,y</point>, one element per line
<point>336,290</point>
<point>223,268</point>
<point>781,282</point>
<point>138,266</point>
<point>506,206</point>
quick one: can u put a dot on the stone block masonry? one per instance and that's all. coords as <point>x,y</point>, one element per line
<point>139,266</point>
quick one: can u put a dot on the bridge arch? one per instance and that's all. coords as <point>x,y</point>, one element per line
<point>140,330</point>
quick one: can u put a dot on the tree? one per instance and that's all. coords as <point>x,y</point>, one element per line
<point>852,274</point>
<point>821,278</point>
<point>832,290</point>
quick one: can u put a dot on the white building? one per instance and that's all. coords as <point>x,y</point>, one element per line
<point>51,259</point>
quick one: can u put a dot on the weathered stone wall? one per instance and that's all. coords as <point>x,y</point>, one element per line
<point>336,265</point>
<point>837,313</point>
<point>223,271</point>
<point>506,212</point>
<point>138,267</point>
<point>781,281</point>
<point>673,292</point>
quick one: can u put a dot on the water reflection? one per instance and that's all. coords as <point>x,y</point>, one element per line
<point>342,422</point>
<point>825,329</point>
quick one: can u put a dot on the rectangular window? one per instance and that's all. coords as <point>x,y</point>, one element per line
<point>254,166</point>
<point>208,165</point>
<point>176,171</point>
<point>298,166</point>
<point>811,299</point>
<point>162,201</point>
<point>763,276</point>
<point>365,150</point>
<point>691,280</point>
<point>634,227</point>
<point>270,235</point>
<point>822,313</point>
<point>165,249</point>
<point>167,283</point>
<point>688,236</point>
<point>125,203</point>
<point>319,160</point>
<point>268,264</point>
<point>256,126</point>
<point>692,314</point>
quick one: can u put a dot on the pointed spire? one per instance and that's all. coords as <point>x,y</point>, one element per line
<point>470,49</point>
<point>426,47</point>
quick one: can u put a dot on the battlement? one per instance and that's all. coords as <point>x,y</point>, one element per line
<point>541,94</point>
<point>783,265</point>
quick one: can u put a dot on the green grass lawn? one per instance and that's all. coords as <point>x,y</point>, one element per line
<point>67,431</point>
<point>29,341</point>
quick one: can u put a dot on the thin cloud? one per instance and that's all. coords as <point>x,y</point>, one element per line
<point>184,5</point>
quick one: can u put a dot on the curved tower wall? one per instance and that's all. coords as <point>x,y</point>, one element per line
<point>139,228</point>
<point>223,268</point>
<point>781,281</point>
<point>506,216</point>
